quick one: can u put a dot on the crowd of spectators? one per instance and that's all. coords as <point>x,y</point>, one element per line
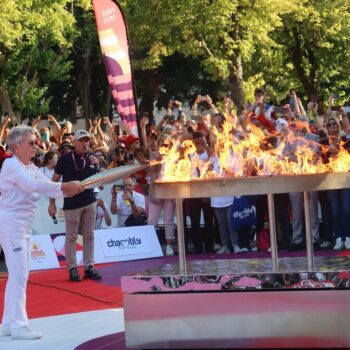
<point>209,227</point>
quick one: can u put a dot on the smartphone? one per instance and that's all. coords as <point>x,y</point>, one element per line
<point>117,129</point>
<point>118,188</point>
<point>131,157</point>
<point>196,118</point>
<point>43,136</point>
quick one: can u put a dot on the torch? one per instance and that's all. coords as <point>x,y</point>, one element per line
<point>112,175</point>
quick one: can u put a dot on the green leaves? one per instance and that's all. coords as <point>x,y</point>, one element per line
<point>247,43</point>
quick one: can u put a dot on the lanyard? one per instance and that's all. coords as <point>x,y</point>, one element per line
<point>75,164</point>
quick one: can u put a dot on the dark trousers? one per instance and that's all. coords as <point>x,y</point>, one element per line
<point>339,201</point>
<point>282,216</point>
<point>326,225</point>
<point>199,235</point>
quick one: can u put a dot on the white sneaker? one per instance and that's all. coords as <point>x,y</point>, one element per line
<point>24,333</point>
<point>223,250</point>
<point>254,249</point>
<point>325,244</point>
<point>338,244</point>
<point>236,249</point>
<point>347,243</point>
<point>269,250</point>
<point>244,250</point>
<point>169,250</point>
<point>5,330</point>
<point>217,246</point>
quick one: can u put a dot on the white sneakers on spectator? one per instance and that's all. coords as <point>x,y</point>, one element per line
<point>325,244</point>
<point>338,244</point>
<point>24,333</point>
<point>5,331</point>
<point>169,250</point>
<point>223,250</point>
<point>217,246</point>
<point>347,243</point>
<point>244,250</point>
<point>236,249</point>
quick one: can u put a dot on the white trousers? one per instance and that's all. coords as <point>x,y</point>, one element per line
<point>17,254</point>
<point>168,207</point>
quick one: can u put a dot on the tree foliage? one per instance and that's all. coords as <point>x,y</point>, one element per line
<point>50,57</point>
<point>35,40</point>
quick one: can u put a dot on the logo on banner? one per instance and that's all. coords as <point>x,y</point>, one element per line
<point>37,252</point>
<point>124,243</point>
<point>129,243</point>
<point>58,242</point>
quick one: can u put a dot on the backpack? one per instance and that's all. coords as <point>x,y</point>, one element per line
<point>133,220</point>
<point>263,240</point>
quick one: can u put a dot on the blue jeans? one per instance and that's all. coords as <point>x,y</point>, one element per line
<point>339,201</point>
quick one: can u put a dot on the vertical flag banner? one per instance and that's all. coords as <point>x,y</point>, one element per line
<point>113,35</point>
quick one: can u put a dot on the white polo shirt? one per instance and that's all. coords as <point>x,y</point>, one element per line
<point>124,211</point>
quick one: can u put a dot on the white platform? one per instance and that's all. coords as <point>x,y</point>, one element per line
<point>66,332</point>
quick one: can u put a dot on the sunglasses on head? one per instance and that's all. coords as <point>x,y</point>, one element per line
<point>331,124</point>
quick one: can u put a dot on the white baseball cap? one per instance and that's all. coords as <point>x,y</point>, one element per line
<point>79,134</point>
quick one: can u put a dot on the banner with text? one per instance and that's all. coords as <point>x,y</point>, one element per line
<point>43,255</point>
<point>126,243</point>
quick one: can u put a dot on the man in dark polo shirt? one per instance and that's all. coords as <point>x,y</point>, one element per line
<point>80,210</point>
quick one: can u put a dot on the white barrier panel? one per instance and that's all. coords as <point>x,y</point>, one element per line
<point>43,223</point>
<point>126,243</point>
<point>43,255</point>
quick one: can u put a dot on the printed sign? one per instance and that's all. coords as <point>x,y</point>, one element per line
<point>126,243</point>
<point>43,255</point>
<point>58,240</point>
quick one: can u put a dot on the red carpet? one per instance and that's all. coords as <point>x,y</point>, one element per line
<point>50,293</point>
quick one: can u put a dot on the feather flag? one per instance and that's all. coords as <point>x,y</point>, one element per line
<point>113,35</point>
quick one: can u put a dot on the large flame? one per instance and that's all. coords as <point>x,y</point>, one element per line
<point>239,153</point>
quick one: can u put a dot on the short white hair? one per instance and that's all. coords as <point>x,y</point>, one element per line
<point>16,134</point>
<point>133,181</point>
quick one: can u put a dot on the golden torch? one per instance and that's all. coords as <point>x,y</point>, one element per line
<point>112,175</point>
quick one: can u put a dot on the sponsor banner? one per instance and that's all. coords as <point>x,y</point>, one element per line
<point>43,255</point>
<point>126,243</point>
<point>117,244</point>
<point>58,240</point>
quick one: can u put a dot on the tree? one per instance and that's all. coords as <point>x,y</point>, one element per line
<point>314,46</point>
<point>34,41</point>
<point>224,34</point>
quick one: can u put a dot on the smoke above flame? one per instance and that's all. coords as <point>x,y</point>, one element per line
<point>252,152</point>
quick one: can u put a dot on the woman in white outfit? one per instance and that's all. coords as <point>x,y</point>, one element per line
<point>21,184</point>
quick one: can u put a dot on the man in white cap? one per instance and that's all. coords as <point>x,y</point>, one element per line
<point>80,210</point>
